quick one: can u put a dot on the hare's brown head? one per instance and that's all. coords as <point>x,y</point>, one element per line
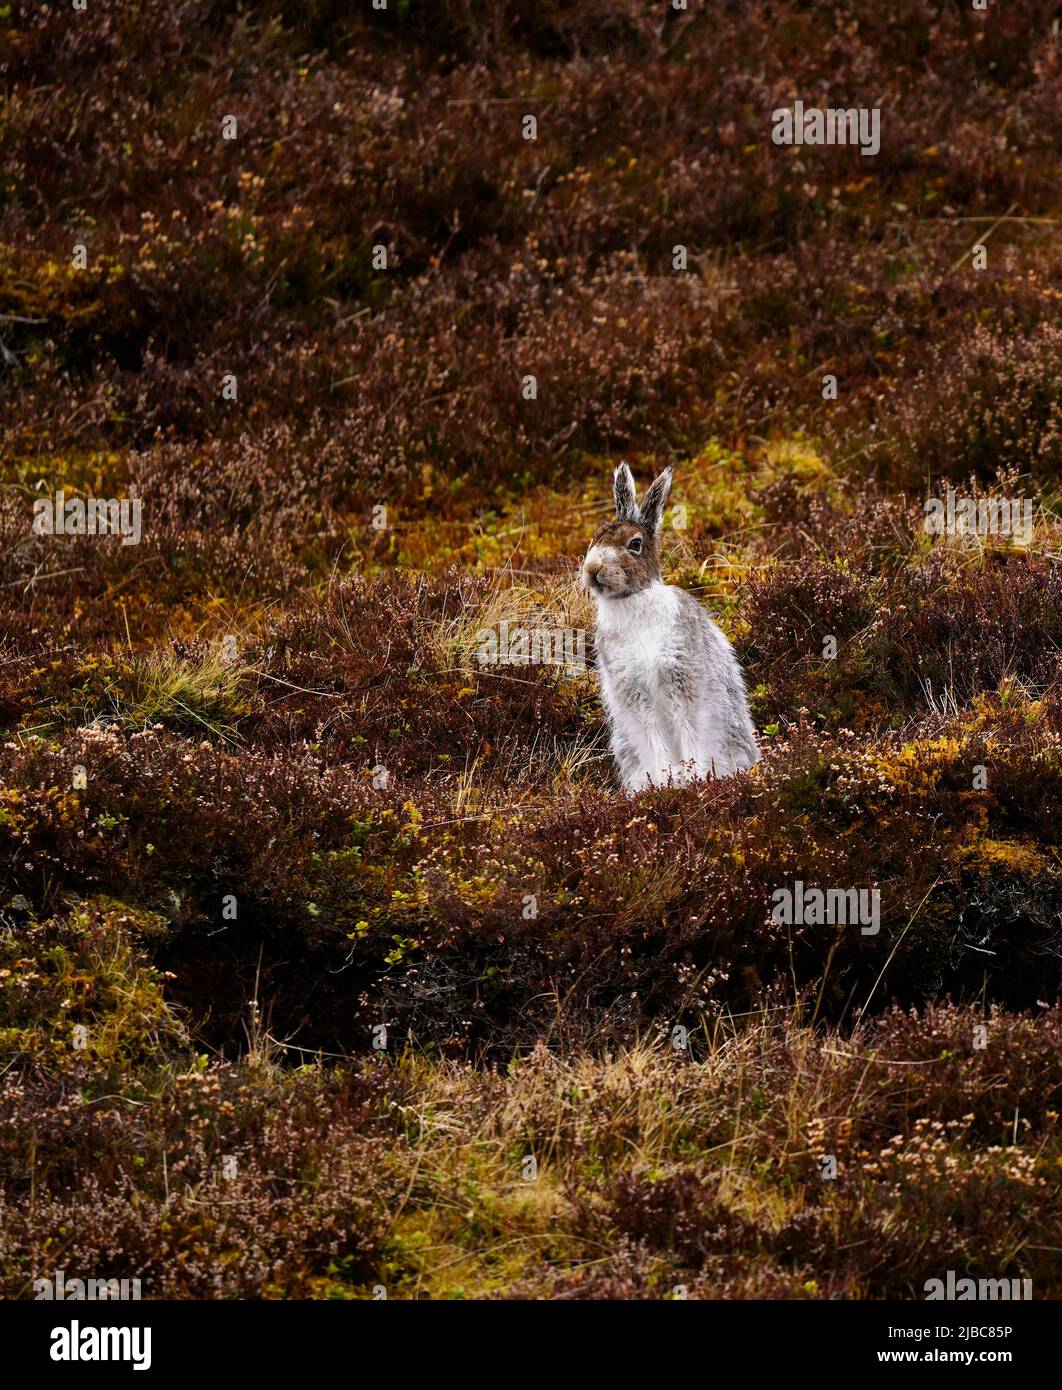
<point>624,555</point>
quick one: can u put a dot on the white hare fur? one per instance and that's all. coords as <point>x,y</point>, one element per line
<point>670,682</point>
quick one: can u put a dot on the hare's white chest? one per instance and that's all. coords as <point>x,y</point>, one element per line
<point>637,642</point>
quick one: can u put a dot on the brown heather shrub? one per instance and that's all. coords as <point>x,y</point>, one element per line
<point>357,903</point>
<point>89,970</point>
<point>701,1173</point>
<point>946,1151</point>
<point>988,402</point>
<point>983,1089</point>
<point>284,232</point>
<point>140,1192</point>
<point>363,675</point>
<point>934,636</point>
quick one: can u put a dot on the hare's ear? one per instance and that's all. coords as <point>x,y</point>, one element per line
<point>623,491</point>
<point>653,502</point>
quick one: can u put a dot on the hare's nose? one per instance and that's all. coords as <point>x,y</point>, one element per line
<point>592,567</point>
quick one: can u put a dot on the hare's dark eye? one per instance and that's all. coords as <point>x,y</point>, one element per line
<point>634,545</point>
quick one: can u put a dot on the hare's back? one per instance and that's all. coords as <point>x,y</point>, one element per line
<point>708,645</point>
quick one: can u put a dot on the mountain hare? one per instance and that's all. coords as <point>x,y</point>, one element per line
<point>670,682</point>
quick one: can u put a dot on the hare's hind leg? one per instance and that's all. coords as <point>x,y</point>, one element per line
<point>629,764</point>
<point>641,753</point>
<point>688,765</point>
<point>713,753</point>
<point>725,751</point>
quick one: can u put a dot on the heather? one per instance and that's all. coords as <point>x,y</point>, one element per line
<point>259,797</point>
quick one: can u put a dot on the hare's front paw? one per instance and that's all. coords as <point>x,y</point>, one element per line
<point>637,781</point>
<point>664,775</point>
<point>684,773</point>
